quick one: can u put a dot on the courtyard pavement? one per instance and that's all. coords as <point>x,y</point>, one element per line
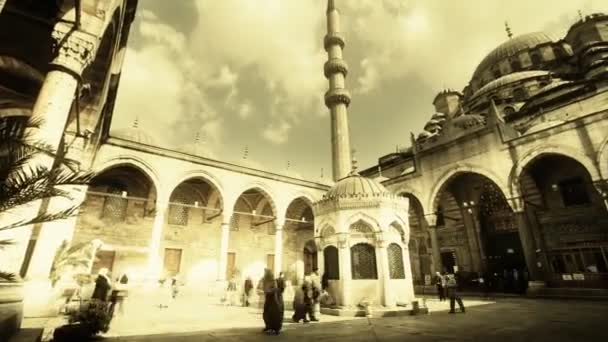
<point>507,319</point>
<point>198,317</point>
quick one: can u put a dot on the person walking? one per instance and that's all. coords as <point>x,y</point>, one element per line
<point>231,291</point>
<point>247,288</point>
<point>273,303</point>
<point>452,289</point>
<point>440,284</point>
<point>316,294</point>
<point>119,294</point>
<point>103,285</point>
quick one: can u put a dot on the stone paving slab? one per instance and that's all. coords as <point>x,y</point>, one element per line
<point>506,320</point>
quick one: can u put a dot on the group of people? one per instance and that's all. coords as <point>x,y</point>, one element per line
<point>112,292</point>
<point>447,287</point>
<point>306,304</point>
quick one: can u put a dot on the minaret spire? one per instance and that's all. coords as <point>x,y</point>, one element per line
<point>337,98</point>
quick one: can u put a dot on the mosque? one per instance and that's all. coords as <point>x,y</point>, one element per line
<point>510,173</point>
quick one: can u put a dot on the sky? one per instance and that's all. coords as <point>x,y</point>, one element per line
<point>248,74</point>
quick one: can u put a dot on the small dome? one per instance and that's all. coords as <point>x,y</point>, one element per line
<point>469,120</point>
<point>510,48</point>
<point>134,134</point>
<point>356,185</point>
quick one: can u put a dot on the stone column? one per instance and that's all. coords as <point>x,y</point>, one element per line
<point>74,51</point>
<point>345,271</point>
<point>225,239</point>
<point>155,266</point>
<point>407,266</point>
<point>528,245</point>
<point>436,251</point>
<point>472,240</point>
<point>388,299</point>
<point>278,247</point>
<point>320,256</point>
<point>52,234</point>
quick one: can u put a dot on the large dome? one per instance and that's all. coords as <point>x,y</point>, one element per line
<point>510,48</point>
<point>356,186</point>
<point>134,134</point>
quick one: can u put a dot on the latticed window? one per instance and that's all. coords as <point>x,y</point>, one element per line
<point>114,206</point>
<point>332,267</point>
<point>395,262</point>
<point>363,261</point>
<point>178,214</point>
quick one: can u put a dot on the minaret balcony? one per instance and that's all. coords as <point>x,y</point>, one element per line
<point>335,65</point>
<point>333,38</point>
<point>337,96</point>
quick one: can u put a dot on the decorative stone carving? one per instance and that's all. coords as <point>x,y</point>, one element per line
<point>336,96</point>
<point>74,50</point>
<point>335,65</point>
<point>333,38</point>
<point>342,240</point>
<point>452,239</point>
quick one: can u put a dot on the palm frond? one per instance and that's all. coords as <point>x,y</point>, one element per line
<point>7,276</point>
<point>43,218</point>
<point>6,243</point>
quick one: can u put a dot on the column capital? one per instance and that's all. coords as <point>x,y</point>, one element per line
<point>342,240</point>
<point>431,220</point>
<point>279,224</point>
<point>74,49</point>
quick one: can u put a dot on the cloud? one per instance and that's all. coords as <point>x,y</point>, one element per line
<point>277,133</point>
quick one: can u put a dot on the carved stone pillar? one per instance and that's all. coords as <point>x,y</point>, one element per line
<point>528,245</point>
<point>436,251</point>
<point>154,254</point>
<point>407,267</point>
<point>74,51</point>
<point>388,299</point>
<point>225,239</point>
<point>345,271</point>
<point>278,247</point>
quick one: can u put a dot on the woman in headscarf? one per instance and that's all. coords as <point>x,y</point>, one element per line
<point>273,303</point>
<point>103,285</point>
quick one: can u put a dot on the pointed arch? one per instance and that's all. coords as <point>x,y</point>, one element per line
<point>537,152</point>
<point>140,165</point>
<point>457,170</point>
<point>369,220</point>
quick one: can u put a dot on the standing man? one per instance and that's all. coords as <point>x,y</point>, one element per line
<point>316,292</point>
<point>440,284</point>
<point>452,287</point>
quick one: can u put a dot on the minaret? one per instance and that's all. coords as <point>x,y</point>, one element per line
<point>337,98</point>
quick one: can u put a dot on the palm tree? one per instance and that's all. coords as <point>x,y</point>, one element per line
<point>22,184</point>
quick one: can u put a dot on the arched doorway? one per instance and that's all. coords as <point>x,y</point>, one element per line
<point>299,249</point>
<point>477,230</point>
<point>252,235</point>
<point>310,257</point>
<point>568,218</point>
<point>420,251</point>
<point>119,209</point>
<point>193,214</point>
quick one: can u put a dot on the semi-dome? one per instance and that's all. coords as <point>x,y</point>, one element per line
<point>134,134</point>
<point>356,185</point>
<point>512,47</point>
<point>508,79</point>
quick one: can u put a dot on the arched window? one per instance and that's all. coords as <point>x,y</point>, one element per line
<point>332,267</point>
<point>395,262</point>
<point>515,64</point>
<point>114,205</point>
<point>535,57</point>
<point>363,261</point>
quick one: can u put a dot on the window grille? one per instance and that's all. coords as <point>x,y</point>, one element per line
<point>363,261</point>
<point>114,207</point>
<point>178,214</point>
<point>395,262</point>
<point>332,267</point>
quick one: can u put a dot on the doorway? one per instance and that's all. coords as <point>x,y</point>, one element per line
<point>310,257</point>
<point>173,260</point>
